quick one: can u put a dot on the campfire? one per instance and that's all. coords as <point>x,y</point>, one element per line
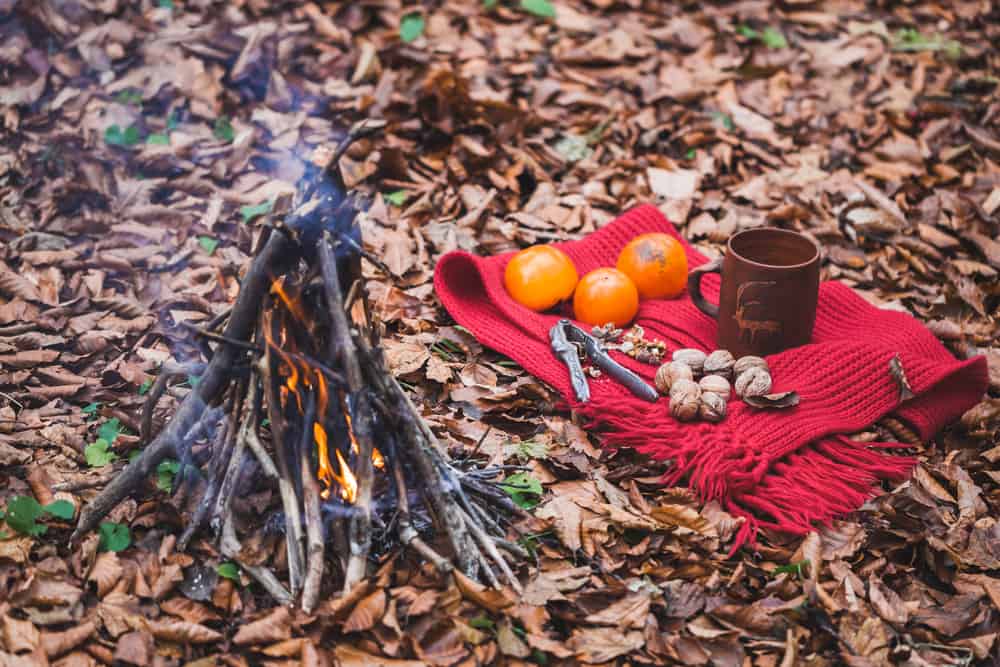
<point>296,380</point>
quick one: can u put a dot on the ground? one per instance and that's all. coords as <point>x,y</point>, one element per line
<point>144,146</point>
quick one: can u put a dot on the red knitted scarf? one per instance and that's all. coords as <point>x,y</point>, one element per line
<point>783,469</point>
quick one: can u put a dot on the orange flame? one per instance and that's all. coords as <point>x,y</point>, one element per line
<point>294,306</point>
<point>377,459</point>
<point>324,472</point>
<point>322,396</point>
<point>348,482</point>
<point>350,427</point>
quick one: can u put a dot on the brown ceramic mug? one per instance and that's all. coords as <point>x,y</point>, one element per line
<point>770,285</point>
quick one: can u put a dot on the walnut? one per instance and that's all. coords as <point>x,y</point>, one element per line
<point>712,407</point>
<point>754,381</point>
<point>715,384</point>
<point>685,399</point>
<point>693,358</point>
<point>749,361</point>
<point>720,362</point>
<point>669,373</point>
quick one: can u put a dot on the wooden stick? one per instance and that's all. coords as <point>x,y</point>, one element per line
<point>343,349</point>
<point>316,540</point>
<point>286,483</point>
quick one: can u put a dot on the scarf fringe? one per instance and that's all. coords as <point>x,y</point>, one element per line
<point>796,494</point>
<point>812,486</point>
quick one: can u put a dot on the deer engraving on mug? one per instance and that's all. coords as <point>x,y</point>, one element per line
<point>746,297</point>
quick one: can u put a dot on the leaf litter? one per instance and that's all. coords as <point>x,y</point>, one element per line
<point>135,176</point>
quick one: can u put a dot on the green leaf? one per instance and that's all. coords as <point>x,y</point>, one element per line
<point>114,536</point>
<point>573,147</point>
<point>773,39</point>
<point>792,568</point>
<point>158,139</point>
<point>172,121</point>
<point>208,244</point>
<point>411,27</point>
<point>61,509</point>
<point>99,453</point>
<point>91,410</point>
<point>250,212</point>
<point>539,656</point>
<point>542,8</point>
<point>229,570</point>
<point>134,454</point>
<point>22,514</point>
<point>690,155</point>
<point>165,473</point>
<point>165,4</point>
<point>482,622</point>
<point>193,380</point>
<point>110,430</point>
<point>723,120</point>
<point>223,129</point>
<point>131,135</point>
<point>397,198</point>
<point>128,96</point>
<point>532,449</point>
<point>747,32</point>
<point>489,4</point>
<point>144,387</point>
<point>909,39</point>
<point>524,490</point>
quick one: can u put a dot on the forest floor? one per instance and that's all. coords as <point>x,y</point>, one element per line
<point>144,144</point>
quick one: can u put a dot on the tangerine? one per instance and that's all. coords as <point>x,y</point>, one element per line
<point>657,265</point>
<point>539,277</point>
<point>606,295</point>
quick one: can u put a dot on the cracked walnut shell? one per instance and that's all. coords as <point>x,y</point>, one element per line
<point>754,381</point>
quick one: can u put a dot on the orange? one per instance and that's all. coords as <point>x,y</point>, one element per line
<point>606,295</point>
<point>539,277</point>
<point>657,265</point>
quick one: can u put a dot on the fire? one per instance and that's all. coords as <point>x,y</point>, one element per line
<point>350,426</point>
<point>324,472</point>
<point>294,306</point>
<point>348,482</point>
<point>377,459</point>
<point>346,479</point>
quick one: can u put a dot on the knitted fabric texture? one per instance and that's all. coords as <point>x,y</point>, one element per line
<point>783,469</point>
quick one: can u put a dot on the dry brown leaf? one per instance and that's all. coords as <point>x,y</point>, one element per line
<point>185,632</point>
<point>886,602</point>
<point>105,573</point>
<point>349,656</point>
<point>20,636</point>
<point>189,610</point>
<point>56,644</point>
<point>597,645</point>
<point>566,517</point>
<point>276,626</point>
<point>366,613</point>
<point>135,648</point>
<point>487,598</point>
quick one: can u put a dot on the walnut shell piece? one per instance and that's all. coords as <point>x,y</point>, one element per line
<point>692,357</point>
<point>712,407</point>
<point>715,384</point>
<point>749,361</point>
<point>721,363</point>
<point>685,400</point>
<point>754,381</point>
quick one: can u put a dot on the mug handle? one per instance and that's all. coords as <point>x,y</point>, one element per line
<point>694,287</point>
